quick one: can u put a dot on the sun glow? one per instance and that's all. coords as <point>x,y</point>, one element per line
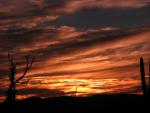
<point>85,86</point>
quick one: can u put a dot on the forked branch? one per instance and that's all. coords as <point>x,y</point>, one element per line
<point>29,63</point>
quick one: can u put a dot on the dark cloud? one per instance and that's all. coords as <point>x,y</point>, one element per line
<point>28,9</point>
<point>13,38</point>
<point>95,18</point>
<point>24,38</point>
<point>85,14</point>
<point>41,92</point>
<point>84,42</point>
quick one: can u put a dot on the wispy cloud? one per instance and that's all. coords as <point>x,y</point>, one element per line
<point>74,5</point>
<point>84,40</point>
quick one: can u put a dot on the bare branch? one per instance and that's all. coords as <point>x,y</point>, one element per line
<point>26,69</point>
<point>24,82</point>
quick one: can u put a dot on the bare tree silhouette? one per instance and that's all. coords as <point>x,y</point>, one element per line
<point>13,80</point>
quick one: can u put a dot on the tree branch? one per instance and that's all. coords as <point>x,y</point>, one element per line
<point>26,69</point>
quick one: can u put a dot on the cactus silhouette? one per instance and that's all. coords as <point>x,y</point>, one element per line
<point>143,81</point>
<point>149,81</point>
<point>13,80</point>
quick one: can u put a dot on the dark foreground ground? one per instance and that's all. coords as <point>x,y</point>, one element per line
<point>91,104</point>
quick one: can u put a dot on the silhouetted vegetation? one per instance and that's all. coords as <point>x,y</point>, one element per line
<point>149,80</point>
<point>92,104</point>
<point>118,103</point>
<point>145,87</point>
<point>143,80</point>
<point>13,79</point>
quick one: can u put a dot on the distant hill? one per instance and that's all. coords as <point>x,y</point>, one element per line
<point>123,103</point>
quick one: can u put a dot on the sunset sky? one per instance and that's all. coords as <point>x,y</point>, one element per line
<point>93,46</point>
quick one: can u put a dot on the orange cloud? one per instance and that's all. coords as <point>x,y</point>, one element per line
<point>95,59</point>
<point>74,5</point>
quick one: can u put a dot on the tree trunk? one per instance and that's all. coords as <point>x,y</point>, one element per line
<point>11,93</point>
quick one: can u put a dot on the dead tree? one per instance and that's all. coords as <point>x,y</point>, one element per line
<point>13,79</point>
